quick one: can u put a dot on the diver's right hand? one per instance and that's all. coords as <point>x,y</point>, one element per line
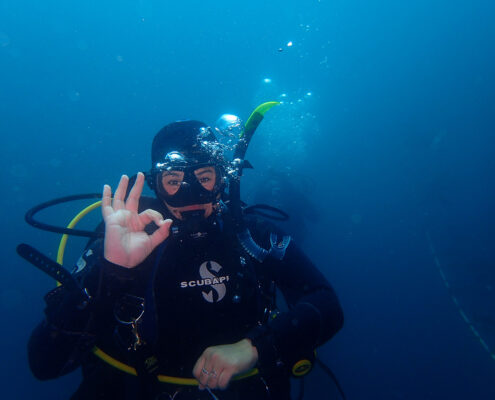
<point>126,242</point>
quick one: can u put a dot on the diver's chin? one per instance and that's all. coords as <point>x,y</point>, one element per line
<point>181,213</point>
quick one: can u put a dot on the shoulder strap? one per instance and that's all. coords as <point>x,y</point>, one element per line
<point>143,357</point>
<point>150,317</point>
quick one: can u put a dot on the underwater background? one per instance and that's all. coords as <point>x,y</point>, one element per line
<point>382,151</point>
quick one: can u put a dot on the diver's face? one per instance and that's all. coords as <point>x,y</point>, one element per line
<point>172,181</point>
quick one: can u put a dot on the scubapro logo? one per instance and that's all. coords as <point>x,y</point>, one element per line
<point>209,279</point>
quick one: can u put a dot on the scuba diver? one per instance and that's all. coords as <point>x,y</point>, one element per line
<point>176,298</point>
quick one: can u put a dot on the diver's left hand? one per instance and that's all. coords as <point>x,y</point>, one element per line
<point>218,364</point>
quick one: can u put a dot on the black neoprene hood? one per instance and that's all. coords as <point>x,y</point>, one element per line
<point>185,145</point>
<point>184,137</point>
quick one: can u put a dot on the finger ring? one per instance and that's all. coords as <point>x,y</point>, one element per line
<point>204,371</point>
<point>213,373</point>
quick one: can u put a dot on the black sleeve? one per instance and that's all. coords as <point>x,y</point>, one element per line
<point>69,330</point>
<point>314,315</point>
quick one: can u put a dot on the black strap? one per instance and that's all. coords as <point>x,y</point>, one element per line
<point>144,358</point>
<point>147,366</point>
<point>150,324</point>
<point>48,266</point>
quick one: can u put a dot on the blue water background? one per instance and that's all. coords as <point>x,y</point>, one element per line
<point>385,135</point>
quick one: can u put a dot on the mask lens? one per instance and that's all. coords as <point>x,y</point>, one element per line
<point>171,181</point>
<point>206,176</point>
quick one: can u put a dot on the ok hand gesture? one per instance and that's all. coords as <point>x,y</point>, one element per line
<point>126,242</point>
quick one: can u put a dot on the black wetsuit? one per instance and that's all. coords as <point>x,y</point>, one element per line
<point>198,292</point>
